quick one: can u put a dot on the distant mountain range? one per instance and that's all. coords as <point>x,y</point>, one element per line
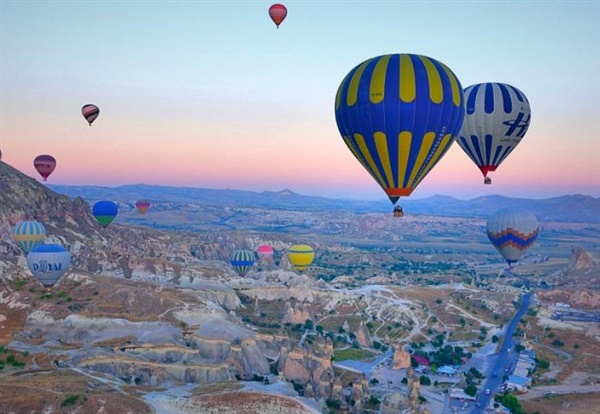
<point>572,208</point>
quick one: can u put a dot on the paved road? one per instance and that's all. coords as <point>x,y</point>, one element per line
<point>507,357</point>
<point>303,338</point>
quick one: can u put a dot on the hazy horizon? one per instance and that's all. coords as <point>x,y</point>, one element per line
<point>258,191</point>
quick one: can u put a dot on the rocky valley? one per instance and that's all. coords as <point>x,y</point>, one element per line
<point>152,320</point>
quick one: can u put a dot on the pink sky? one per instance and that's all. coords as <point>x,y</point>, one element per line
<point>257,113</point>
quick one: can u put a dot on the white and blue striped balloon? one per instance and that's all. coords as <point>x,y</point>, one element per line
<point>497,117</point>
<point>29,234</point>
<point>48,263</point>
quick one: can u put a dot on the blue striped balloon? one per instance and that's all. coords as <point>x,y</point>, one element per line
<point>496,120</point>
<point>242,261</point>
<point>399,114</point>
<point>29,234</point>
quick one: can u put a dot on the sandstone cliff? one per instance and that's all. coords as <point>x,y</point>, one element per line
<point>298,313</point>
<point>580,259</point>
<point>579,298</point>
<point>401,358</point>
<point>310,365</point>
<point>362,335</point>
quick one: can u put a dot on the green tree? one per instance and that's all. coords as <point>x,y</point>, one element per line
<point>512,403</point>
<point>331,403</point>
<point>495,339</point>
<point>471,390</point>
<point>542,363</point>
<point>433,367</point>
<point>424,380</point>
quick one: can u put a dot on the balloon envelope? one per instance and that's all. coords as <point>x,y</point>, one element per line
<point>44,164</point>
<point>142,206</point>
<point>105,212</point>
<point>277,12</point>
<point>29,234</point>
<point>399,114</point>
<point>242,261</point>
<point>496,120</point>
<point>90,112</point>
<point>48,263</point>
<point>512,231</point>
<point>301,256</point>
<point>265,251</point>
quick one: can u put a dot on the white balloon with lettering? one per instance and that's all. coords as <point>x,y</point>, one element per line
<point>48,263</point>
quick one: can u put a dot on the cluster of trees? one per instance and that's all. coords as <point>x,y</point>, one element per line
<point>511,402</point>
<point>473,377</point>
<point>10,359</point>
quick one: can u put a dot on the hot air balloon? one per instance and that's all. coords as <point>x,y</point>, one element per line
<point>399,114</point>
<point>242,261</point>
<point>265,253</point>
<point>142,206</point>
<point>277,12</point>
<point>48,262</point>
<point>90,113</point>
<point>512,231</point>
<point>29,234</point>
<point>44,164</point>
<point>496,120</point>
<point>301,256</point>
<point>105,212</point>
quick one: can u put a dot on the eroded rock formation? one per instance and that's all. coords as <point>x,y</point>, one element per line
<point>362,335</point>
<point>401,358</point>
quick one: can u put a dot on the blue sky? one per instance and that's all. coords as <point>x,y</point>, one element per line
<point>182,85</point>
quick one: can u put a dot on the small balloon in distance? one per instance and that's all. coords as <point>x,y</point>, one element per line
<point>45,165</point>
<point>90,112</point>
<point>277,13</point>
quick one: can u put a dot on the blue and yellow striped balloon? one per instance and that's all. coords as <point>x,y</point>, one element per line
<point>29,234</point>
<point>242,261</point>
<point>399,114</point>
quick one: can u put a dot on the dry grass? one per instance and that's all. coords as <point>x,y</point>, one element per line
<point>567,404</point>
<point>247,403</point>
<point>65,391</point>
<point>585,350</point>
<point>219,387</point>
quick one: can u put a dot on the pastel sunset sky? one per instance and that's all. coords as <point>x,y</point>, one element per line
<point>210,94</point>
